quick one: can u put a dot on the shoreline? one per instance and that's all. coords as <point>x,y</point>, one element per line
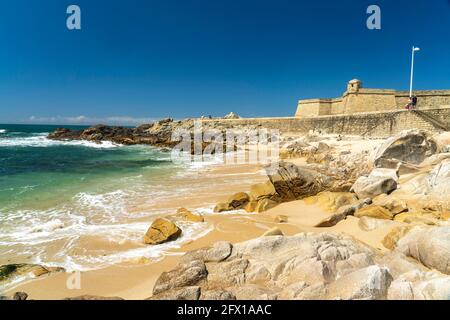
<point>314,196</point>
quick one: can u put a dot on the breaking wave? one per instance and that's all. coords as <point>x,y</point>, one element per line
<point>41,140</point>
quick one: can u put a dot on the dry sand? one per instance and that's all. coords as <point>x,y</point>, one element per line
<point>135,280</point>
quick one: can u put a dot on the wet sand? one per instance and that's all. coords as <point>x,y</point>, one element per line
<point>135,279</point>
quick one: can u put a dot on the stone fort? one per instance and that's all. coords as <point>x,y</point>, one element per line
<point>357,99</point>
<point>366,112</point>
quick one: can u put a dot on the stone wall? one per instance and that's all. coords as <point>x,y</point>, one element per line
<point>371,124</point>
<point>359,100</point>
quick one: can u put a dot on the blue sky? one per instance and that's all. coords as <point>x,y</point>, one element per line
<point>139,59</point>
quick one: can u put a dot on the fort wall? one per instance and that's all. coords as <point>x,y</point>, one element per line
<point>379,124</point>
<point>359,100</point>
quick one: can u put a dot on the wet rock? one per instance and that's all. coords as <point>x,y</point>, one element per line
<point>187,215</point>
<point>161,230</point>
<point>9,271</point>
<point>20,296</point>
<point>251,206</point>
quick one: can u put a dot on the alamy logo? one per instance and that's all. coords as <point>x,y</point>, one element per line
<point>73,282</point>
<point>374,20</point>
<point>233,146</point>
<point>73,21</point>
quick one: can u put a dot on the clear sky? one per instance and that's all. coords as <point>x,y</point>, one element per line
<point>142,59</point>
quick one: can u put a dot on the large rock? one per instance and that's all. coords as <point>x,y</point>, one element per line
<point>391,203</point>
<point>391,239</point>
<point>162,230</point>
<point>264,205</point>
<point>332,201</point>
<point>187,215</point>
<point>369,283</point>
<point>411,146</point>
<point>373,211</point>
<point>439,180</point>
<point>342,213</point>
<point>262,268</point>
<point>262,190</point>
<point>378,182</point>
<point>185,293</point>
<point>419,285</point>
<point>292,182</point>
<point>9,271</point>
<point>429,245</point>
<point>309,266</point>
<point>236,201</point>
<point>187,274</point>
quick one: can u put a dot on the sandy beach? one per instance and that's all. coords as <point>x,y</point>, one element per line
<point>135,279</point>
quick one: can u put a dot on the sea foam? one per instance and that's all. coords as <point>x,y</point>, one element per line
<point>41,140</point>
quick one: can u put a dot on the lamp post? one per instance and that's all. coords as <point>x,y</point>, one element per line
<point>414,49</point>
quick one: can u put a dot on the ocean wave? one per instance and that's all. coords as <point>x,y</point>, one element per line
<point>37,230</point>
<point>2,130</point>
<point>41,140</point>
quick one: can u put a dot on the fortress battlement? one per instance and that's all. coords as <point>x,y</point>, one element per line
<point>357,99</point>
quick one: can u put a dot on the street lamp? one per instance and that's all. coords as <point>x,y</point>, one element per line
<point>414,49</point>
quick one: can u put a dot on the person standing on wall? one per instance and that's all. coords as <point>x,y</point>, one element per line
<point>412,103</point>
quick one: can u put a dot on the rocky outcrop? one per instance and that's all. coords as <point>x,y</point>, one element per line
<point>304,266</point>
<point>237,201</point>
<point>157,134</point>
<point>292,182</point>
<point>342,213</point>
<point>231,115</point>
<point>10,271</point>
<point>161,230</point>
<point>411,147</point>
<point>261,191</point>
<point>374,211</point>
<point>17,296</point>
<point>439,179</point>
<point>312,266</point>
<point>187,215</point>
<point>428,245</point>
<point>378,182</point>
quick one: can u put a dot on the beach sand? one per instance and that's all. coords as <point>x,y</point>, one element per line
<point>135,279</point>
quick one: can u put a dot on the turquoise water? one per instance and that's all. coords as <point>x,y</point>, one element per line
<point>83,206</point>
<point>79,204</point>
<point>37,172</point>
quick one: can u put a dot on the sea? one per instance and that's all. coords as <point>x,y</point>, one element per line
<point>83,205</point>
